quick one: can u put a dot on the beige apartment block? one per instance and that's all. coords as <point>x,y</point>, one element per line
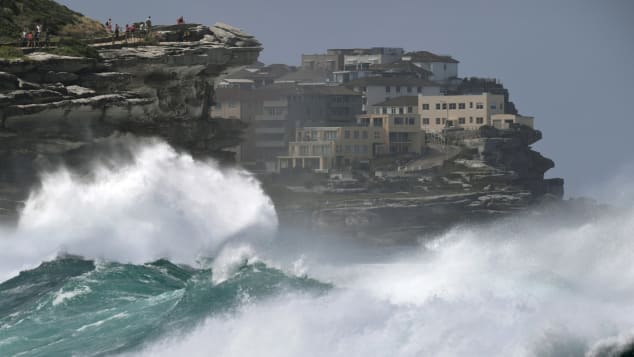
<point>325,148</point>
<point>465,111</point>
<point>504,121</point>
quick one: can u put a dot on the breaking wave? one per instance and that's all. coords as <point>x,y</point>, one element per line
<point>528,286</point>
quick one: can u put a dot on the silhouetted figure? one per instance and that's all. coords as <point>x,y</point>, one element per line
<point>180,20</point>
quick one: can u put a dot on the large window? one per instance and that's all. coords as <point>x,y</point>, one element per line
<point>411,121</point>
<point>425,121</point>
<point>452,105</point>
<point>437,106</point>
<point>331,135</point>
<point>479,105</point>
<point>444,105</point>
<point>479,120</point>
<point>461,106</point>
<point>461,121</point>
<point>378,122</point>
<point>425,106</point>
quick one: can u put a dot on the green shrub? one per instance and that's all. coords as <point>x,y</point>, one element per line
<point>10,52</point>
<point>74,48</point>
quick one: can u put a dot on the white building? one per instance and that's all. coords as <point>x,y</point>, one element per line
<point>379,89</point>
<point>443,68</point>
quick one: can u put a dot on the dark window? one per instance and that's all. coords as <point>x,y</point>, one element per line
<point>401,111</point>
<point>461,106</point>
<point>437,121</point>
<point>419,89</point>
<point>470,120</point>
<point>398,89</point>
<point>378,122</point>
<point>387,89</point>
<point>411,121</point>
<point>410,109</point>
<point>425,121</point>
<point>444,105</point>
<point>479,120</point>
<point>398,121</point>
<point>437,106</point>
<point>461,120</point>
<point>470,104</point>
<point>452,105</point>
<point>425,106</point>
<point>409,89</point>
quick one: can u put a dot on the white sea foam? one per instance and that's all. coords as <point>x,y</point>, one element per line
<point>512,289</point>
<point>163,205</point>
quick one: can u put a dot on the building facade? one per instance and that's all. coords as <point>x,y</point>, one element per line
<point>464,111</point>
<point>443,68</point>
<point>375,90</point>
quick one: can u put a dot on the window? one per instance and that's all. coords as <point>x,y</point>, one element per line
<point>437,106</point>
<point>419,89</point>
<point>401,111</point>
<point>393,110</point>
<point>398,121</point>
<point>410,110</point>
<point>411,121</point>
<point>452,105</point>
<point>356,134</point>
<point>501,106</point>
<point>384,110</point>
<point>398,89</point>
<point>493,106</point>
<point>479,120</point>
<point>425,121</point>
<point>479,106</point>
<point>377,135</point>
<point>470,105</point>
<point>378,122</point>
<point>346,134</point>
<point>387,89</point>
<point>425,106</point>
<point>461,106</point>
<point>444,120</point>
<point>330,135</point>
<point>409,89</point>
<point>303,150</point>
<point>470,120</point>
<point>461,121</point>
<point>437,121</point>
<point>444,105</point>
<point>364,134</point>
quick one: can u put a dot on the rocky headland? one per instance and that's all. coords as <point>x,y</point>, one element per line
<point>53,106</point>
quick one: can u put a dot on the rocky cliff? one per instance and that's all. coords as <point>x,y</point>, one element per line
<point>465,179</point>
<point>51,105</point>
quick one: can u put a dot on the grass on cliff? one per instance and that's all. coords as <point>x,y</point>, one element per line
<point>74,48</point>
<point>10,52</point>
<point>60,20</point>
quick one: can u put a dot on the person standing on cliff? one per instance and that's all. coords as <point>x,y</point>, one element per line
<point>148,24</point>
<point>115,38</point>
<point>25,42</point>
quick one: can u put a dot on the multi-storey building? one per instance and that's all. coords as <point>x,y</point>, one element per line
<point>325,148</point>
<point>466,111</point>
<point>379,89</point>
<point>443,68</point>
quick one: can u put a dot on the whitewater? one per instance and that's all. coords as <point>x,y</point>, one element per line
<point>164,255</point>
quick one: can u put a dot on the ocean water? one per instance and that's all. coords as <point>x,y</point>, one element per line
<point>168,256</point>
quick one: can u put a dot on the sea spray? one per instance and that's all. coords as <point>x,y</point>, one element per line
<point>163,204</point>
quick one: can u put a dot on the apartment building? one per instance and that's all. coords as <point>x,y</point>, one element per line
<point>443,68</point>
<point>325,148</point>
<point>466,111</point>
<point>379,89</point>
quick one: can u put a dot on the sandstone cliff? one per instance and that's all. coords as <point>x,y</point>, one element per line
<point>53,105</point>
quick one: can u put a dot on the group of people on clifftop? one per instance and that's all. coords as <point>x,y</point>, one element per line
<point>38,37</point>
<point>130,32</point>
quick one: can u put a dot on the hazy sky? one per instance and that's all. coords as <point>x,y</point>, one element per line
<point>569,63</point>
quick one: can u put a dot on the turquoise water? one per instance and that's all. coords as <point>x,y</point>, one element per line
<point>72,306</point>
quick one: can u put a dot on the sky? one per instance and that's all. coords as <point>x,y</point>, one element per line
<point>568,63</point>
